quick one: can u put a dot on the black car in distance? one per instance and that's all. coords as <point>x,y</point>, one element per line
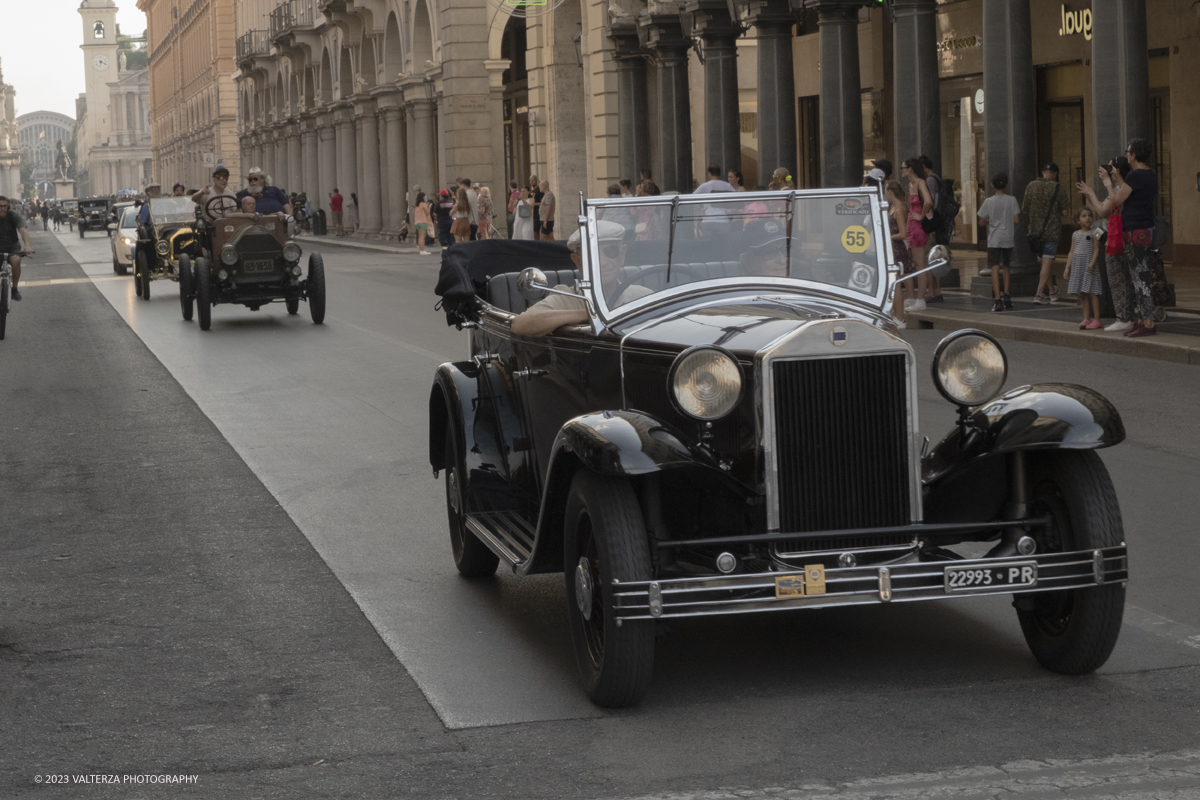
<point>733,429</point>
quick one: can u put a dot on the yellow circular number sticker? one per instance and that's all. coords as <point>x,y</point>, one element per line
<point>856,239</point>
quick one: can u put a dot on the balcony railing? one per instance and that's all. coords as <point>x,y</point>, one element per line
<point>291,14</point>
<point>252,43</point>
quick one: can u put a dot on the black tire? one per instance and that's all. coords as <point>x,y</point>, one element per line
<point>471,556</point>
<point>605,539</point>
<point>316,288</point>
<point>146,281</point>
<point>185,287</point>
<point>139,262</point>
<point>293,305</point>
<point>5,289</point>
<point>116,266</point>
<point>203,293</point>
<point>1074,631</point>
<point>122,269</point>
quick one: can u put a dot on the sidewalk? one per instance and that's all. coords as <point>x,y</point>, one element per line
<point>370,245</point>
<point>1178,338</point>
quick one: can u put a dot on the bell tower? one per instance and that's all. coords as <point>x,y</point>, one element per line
<point>99,64</point>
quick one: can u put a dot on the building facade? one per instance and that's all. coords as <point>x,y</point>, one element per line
<point>38,133</point>
<point>10,150</point>
<point>378,96</point>
<point>193,103</point>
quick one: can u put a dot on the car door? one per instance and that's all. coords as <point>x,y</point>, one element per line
<point>552,382</point>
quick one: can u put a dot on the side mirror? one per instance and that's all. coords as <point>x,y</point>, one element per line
<point>532,283</point>
<point>112,226</point>
<point>938,263</point>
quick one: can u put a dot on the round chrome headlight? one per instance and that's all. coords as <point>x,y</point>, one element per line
<point>969,367</point>
<point>162,248</point>
<point>705,382</point>
<point>291,252</point>
<point>229,255</point>
<point>222,275</point>
<point>297,271</point>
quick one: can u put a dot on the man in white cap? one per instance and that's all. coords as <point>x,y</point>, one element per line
<point>152,191</point>
<point>556,310</point>
<point>268,199</point>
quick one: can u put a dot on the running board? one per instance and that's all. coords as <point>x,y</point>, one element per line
<point>506,533</point>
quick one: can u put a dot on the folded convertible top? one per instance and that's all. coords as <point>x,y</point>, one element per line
<point>467,266</point>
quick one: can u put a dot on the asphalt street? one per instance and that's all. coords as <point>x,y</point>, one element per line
<point>224,554</point>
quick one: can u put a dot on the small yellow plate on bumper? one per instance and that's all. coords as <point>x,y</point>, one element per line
<point>812,581</point>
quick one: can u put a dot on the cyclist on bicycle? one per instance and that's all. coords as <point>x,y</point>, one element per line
<point>12,234</point>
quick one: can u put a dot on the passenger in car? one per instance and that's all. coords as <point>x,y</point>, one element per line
<point>766,253</point>
<point>556,310</point>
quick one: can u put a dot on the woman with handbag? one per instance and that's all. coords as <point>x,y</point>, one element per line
<point>514,195</point>
<point>523,227</point>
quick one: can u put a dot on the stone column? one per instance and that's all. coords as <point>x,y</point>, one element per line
<point>1009,119</point>
<point>396,158</point>
<point>283,160</point>
<point>385,176</point>
<point>722,129</point>
<point>295,165</point>
<point>309,181</point>
<point>1120,73</point>
<point>918,119</point>
<point>776,88</point>
<point>421,158</point>
<point>633,107</point>
<point>269,151</point>
<point>664,34</point>
<point>841,94</point>
<point>498,184</point>
<point>370,217</point>
<point>326,160</point>
<point>347,151</point>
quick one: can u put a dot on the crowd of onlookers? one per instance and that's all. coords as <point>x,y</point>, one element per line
<point>466,211</point>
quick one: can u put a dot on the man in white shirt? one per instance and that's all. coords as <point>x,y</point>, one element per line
<point>716,220</point>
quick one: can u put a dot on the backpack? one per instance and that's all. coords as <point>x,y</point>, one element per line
<point>945,209</point>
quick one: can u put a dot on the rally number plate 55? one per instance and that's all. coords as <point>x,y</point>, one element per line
<point>1012,575</point>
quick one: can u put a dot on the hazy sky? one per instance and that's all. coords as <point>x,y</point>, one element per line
<point>40,55</point>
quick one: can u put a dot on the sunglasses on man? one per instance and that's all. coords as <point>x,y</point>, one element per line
<point>611,251</point>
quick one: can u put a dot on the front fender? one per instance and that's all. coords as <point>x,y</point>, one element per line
<point>614,443</point>
<point>1046,416</point>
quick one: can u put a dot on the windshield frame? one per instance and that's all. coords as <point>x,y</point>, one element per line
<point>163,201</point>
<point>885,265</point>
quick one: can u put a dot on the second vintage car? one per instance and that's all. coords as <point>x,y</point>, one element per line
<point>166,245</point>
<point>731,427</point>
<point>249,260</point>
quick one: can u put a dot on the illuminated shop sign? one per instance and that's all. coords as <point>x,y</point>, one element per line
<point>1074,22</point>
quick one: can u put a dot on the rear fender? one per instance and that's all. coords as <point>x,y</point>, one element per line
<point>1046,416</point>
<point>625,444</point>
<point>452,400</point>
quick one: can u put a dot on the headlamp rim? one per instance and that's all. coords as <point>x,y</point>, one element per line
<point>941,348</point>
<point>683,356</point>
<point>224,250</point>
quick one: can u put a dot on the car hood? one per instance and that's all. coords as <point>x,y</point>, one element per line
<point>746,324</point>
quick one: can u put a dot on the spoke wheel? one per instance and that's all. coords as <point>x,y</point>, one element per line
<point>203,293</point>
<point>605,540</point>
<point>1074,631</point>
<point>471,556</point>
<point>185,287</point>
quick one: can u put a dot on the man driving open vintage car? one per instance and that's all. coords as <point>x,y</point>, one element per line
<point>166,244</point>
<point>247,259</point>
<point>727,424</point>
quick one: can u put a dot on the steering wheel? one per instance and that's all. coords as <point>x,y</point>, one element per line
<point>217,207</point>
<point>654,270</point>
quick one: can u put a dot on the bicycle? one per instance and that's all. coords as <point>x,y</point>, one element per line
<point>6,286</point>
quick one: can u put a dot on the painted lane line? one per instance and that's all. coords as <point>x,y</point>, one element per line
<point>412,348</point>
<point>64,281</point>
<point>1159,625</point>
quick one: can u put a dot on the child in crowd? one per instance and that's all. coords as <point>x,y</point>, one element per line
<point>1000,211</point>
<point>1081,273</point>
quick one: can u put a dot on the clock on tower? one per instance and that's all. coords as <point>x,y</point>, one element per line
<point>100,62</point>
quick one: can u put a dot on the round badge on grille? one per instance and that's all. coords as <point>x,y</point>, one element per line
<point>838,336</point>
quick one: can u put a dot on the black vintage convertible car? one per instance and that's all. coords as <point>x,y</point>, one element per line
<point>253,263</point>
<point>732,428</point>
<point>94,214</point>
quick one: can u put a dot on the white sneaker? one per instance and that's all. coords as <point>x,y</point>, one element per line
<point>901,324</point>
<point>909,303</point>
<point>918,305</point>
<point>1119,326</point>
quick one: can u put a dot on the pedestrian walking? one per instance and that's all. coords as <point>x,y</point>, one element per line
<point>58,215</point>
<point>936,226</point>
<point>715,220</point>
<point>1082,278</point>
<point>734,179</point>
<point>549,209</point>
<point>523,228</point>
<point>1136,197</point>
<point>424,222</point>
<point>460,228</point>
<point>510,208</point>
<point>473,203</point>
<point>335,210</point>
<point>536,195</point>
<point>45,212</point>
<point>920,205</point>
<point>445,217</point>
<point>1001,212</point>
<point>898,224</point>
<point>1045,207</point>
<point>485,213</point>
<point>783,177</point>
<point>1120,288</point>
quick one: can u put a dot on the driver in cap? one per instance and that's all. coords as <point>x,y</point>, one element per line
<point>218,188</point>
<point>152,191</point>
<point>556,310</point>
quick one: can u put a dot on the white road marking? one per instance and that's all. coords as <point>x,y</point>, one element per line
<point>1144,776</point>
<point>61,281</point>
<point>412,348</point>
<point>1159,625</point>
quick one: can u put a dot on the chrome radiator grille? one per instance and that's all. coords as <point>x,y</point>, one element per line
<point>842,444</point>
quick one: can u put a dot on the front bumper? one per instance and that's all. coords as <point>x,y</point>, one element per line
<point>851,586</point>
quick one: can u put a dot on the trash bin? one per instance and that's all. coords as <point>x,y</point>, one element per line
<point>318,222</point>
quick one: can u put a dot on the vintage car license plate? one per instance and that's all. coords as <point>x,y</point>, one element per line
<point>267,265</point>
<point>1016,575</point>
